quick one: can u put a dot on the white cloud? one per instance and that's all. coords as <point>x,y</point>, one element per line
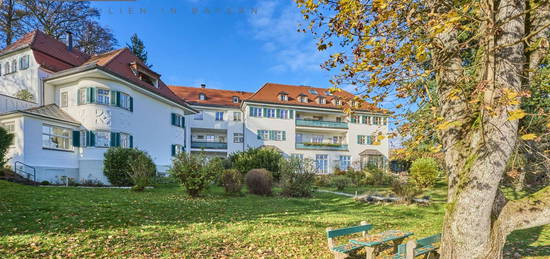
<point>276,25</point>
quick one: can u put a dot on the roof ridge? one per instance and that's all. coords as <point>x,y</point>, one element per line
<point>215,89</point>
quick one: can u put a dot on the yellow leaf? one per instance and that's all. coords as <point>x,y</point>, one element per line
<point>435,149</point>
<point>530,136</point>
<point>548,125</point>
<point>379,137</point>
<point>516,114</point>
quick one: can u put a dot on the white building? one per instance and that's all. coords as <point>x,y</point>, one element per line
<point>83,105</point>
<point>301,121</point>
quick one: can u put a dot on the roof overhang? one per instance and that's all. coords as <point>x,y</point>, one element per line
<point>19,113</point>
<point>96,71</point>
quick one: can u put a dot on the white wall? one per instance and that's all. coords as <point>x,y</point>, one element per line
<point>149,123</point>
<point>228,124</point>
<point>28,79</point>
<point>8,104</point>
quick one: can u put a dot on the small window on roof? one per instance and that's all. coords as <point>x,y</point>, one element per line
<point>283,97</point>
<point>311,91</point>
<point>236,99</point>
<point>303,98</point>
<point>202,96</point>
<point>321,100</point>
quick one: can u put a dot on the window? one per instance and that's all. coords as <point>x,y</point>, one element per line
<point>64,99</point>
<point>365,140</point>
<point>24,62</point>
<point>322,163</point>
<point>219,116</point>
<point>311,91</point>
<point>366,119</point>
<point>275,135</point>
<point>337,139</point>
<point>278,135</point>
<point>322,100</point>
<point>317,139</point>
<point>297,156</point>
<point>237,116</point>
<point>385,121</point>
<point>10,128</point>
<point>102,138</point>
<point>283,97</point>
<point>202,96</point>
<point>125,140</point>
<point>56,137</point>
<point>283,114</point>
<point>210,138</point>
<point>263,134</point>
<point>13,66</point>
<point>303,99</point>
<point>238,138</point>
<point>299,138</point>
<point>178,120</point>
<point>177,149</point>
<point>236,99</point>
<point>256,112</point>
<point>198,116</point>
<point>103,96</point>
<point>270,113</point>
<point>82,96</point>
<point>124,100</point>
<point>344,162</point>
<point>376,120</point>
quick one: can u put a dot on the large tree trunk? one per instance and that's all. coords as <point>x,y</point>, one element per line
<point>478,218</point>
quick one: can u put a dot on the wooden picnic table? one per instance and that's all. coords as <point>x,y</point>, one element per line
<point>373,242</point>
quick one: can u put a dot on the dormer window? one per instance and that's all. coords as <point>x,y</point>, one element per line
<point>336,101</point>
<point>283,96</point>
<point>236,99</point>
<point>145,74</point>
<point>302,98</point>
<point>321,100</point>
<point>202,96</point>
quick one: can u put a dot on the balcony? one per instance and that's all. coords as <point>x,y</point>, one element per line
<point>322,146</point>
<point>322,124</point>
<point>208,145</point>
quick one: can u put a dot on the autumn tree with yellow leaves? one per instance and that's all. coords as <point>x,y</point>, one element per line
<point>473,63</point>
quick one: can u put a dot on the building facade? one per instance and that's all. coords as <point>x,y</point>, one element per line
<point>77,106</point>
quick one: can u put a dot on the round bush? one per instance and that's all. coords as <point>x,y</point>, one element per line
<point>340,182</point>
<point>232,181</point>
<point>259,181</point>
<point>117,165</point>
<point>257,158</point>
<point>424,172</point>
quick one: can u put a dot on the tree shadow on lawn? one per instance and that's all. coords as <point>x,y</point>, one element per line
<point>69,210</point>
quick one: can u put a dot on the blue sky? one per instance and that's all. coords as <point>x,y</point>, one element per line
<point>237,45</point>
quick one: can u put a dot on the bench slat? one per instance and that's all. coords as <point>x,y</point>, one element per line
<point>347,231</point>
<point>347,248</point>
<point>428,240</point>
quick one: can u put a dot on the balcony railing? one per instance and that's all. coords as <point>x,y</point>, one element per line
<point>322,124</point>
<point>208,145</point>
<point>321,146</point>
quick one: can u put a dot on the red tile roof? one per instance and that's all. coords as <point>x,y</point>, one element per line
<point>269,93</point>
<point>53,55</point>
<point>214,97</point>
<point>49,52</point>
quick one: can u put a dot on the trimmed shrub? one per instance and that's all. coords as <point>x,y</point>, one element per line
<point>44,183</point>
<point>232,181</point>
<point>257,158</point>
<point>195,172</point>
<point>117,165</point>
<point>142,170</point>
<point>322,180</point>
<point>259,181</point>
<point>297,177</point>
<point>340,182</point>
<point>6,139</point>
<point>376,176</point>
<point>424,172</point>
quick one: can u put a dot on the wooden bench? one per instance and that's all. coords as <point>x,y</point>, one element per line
<point>426,246</point>
<point>343,251</point>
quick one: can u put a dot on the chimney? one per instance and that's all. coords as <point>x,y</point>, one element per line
<point>203,85</point>
<point>69,41</point>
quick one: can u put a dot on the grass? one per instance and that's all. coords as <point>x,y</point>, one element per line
<point>164,222</point>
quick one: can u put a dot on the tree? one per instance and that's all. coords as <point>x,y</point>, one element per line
<point>94,39</point>
<point>6,140</point>
<point>138,48</point>
<point>484,58</point>
<point>11,21</point>
<point>25,95</point>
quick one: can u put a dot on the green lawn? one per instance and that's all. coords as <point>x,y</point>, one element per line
<point>164,222</point>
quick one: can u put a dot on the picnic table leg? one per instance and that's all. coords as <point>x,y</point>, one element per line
<point>370,252</point>
<point>396,243</point>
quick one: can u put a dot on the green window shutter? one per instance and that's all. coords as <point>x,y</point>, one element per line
<point>117,99</point>
<point>278,113</point>
<point>90,137</point>
<point>131,141</point>
<point>113,139</point>
<point>358,139</point>
<point>113,98</point>
<point>117,139</point>
<point>78,96</point>
<point>284,135</point>
<point>182,122</point>
<point>90,95</point>
<point>265,113</point>
<point>250,111</point>
<point>271,135</point>
<point>291,112</point>
<point>76,138</point>
<point>173,150</point>
<point>131,104</point>
<point>259,134</point>
<point>173,119</point>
